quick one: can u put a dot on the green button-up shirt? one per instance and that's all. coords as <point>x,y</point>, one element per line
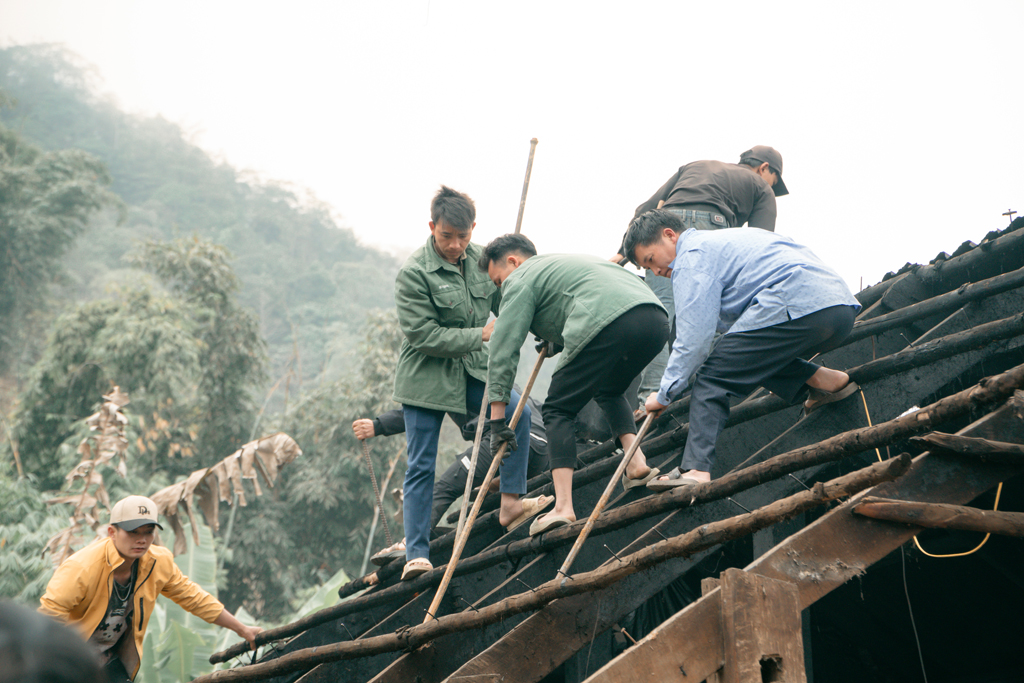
<point>564,298</point>
<point>442,310</point>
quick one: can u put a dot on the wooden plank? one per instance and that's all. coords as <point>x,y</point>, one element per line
<point>762,630</point>
<point>821,557</point>
<point>941,516</point>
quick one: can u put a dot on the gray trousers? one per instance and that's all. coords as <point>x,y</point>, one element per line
<point>770,357</point>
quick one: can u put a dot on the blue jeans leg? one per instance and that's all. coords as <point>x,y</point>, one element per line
<point>422,428</point>
<point>514,464</point>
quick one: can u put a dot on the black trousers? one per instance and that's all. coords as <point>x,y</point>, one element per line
<point>115,671</point>
<point>602,371</point>
<point>770,357</point>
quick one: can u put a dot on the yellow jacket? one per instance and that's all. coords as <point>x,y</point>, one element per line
<point>80,589</point>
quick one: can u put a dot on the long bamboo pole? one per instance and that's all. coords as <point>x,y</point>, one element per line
<point>526,185</point>
<point>603,500</point>
<point>477,440</point>
<point>483,405</point>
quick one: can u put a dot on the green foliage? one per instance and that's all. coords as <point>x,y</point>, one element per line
<point>181,341</point>
<point>320,520</point>
<point>26,524</point>
<point>232,354</point>
<point>321,597</point>
<point>308,279</point>
<point>138,340</point>
<point>190,362</point>
<point>46,200</point>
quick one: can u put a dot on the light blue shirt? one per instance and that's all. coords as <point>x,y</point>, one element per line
<point>738,280</point>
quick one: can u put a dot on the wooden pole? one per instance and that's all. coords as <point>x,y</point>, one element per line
<point>942,516</point>
<point>988,391</point>
<point>526,185</point>
<point>483,404</point>
<point>460,542</point>
<point>477,440</point>
<point>603,500</point>
<point>982,449</point>
<point>706,536</point>
<point>944,303</point>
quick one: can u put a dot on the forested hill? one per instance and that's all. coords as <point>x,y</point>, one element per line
<point>307,278</point>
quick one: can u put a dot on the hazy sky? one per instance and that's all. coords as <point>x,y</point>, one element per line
<point>899,122</point>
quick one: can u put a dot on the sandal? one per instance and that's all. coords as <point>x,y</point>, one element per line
<point>392,552</point>
<point>818,398</point>
<point>415,567</point>
<point>675,479</point>
<point>547,523</point>
<point>531,507</point>
<point>628,483</point>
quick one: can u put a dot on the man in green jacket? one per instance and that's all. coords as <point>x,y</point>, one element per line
<point>443,305</point>
<point>610,325</point>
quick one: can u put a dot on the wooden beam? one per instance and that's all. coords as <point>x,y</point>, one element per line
<point>821,557</point>
<point>990,390</point>
<point>983,449</point>
<point>707,536</point>
<point>762,630</point>
<point>941,516</point>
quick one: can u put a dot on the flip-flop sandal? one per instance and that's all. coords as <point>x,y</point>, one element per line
<point>414,568</point>
<point>820,398</point>
<point>392,552</point>
<point>628,483</point>
<point>675,480</point>
<point>547,523</point>
<point>531,507</point>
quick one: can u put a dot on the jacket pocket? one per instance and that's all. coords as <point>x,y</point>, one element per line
<point>447,297</point>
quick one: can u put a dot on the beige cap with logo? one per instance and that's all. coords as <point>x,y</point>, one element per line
<point>134,511</point>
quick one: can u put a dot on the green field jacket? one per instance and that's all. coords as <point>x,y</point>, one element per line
<point>442,313</point>
<point>564,298</point>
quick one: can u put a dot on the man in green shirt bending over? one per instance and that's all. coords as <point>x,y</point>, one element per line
<point>610,325</point>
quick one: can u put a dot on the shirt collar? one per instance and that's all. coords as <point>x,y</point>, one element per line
<point>435,262</point>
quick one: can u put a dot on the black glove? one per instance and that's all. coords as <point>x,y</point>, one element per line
<point>551,347</point>
<point>502,433</point>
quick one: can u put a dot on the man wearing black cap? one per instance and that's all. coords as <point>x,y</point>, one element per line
<point>108,589</point>
<point>710,195</point>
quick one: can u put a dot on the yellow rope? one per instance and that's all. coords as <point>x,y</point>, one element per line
<point>999,491</point>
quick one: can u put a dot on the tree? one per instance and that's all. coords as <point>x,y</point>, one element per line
<point>191,359</point>
<point>232,354</point>
<point>46,200</point>
<point>319,522</point>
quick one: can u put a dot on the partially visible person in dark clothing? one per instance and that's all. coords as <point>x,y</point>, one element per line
<point>35,649</point>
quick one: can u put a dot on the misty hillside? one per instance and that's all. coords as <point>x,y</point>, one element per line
<point>305,275</point>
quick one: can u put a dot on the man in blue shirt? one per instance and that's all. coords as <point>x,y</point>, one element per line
<point>775,303</point>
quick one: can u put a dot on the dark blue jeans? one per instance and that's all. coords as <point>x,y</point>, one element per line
<point>771,357</point>
<point>422,428</point>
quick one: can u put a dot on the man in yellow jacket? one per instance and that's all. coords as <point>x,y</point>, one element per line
<point>108,589</point>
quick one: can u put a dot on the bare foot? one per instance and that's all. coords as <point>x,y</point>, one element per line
<point>511,507</point>
<point>637,467</point>
<point>828,380</point>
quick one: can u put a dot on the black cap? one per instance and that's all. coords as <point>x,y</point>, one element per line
<point>765,153</point>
